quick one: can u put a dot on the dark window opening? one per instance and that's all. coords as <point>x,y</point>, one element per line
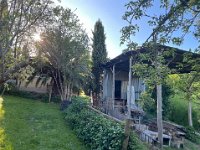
<point>166,141</point>
<point>118,84</point>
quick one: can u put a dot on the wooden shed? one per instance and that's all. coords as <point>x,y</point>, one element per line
<point>122,89</point>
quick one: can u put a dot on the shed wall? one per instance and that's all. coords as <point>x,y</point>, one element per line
<point>123,77</point>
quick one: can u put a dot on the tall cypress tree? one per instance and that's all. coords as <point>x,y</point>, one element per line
<point>99,54</point>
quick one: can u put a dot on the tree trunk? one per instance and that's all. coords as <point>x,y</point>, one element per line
<point>94,99</point>
<point>127,134</point>
<point>10,71</point>
<point>66,94</point>
<point>61,97</point>
<point>113,88</point>
<point>159,115</point>
<point>190,113</point>
<point>4,89</point>
<point>71,93</point>
<point>50,92</point>
<point>129,94</point>
<point>2,67</point>
<point>91,97</point>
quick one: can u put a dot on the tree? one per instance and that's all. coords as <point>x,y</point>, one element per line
<point>64,46</point>
<point>99,55</point>
<point>148,100</point>
<point>188,83</point>
<point>174,16</point>
<point>18,21</point>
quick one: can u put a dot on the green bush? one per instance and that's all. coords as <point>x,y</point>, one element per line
<point>179,111</point>
<point>190,135</point>
<point>32,95</point>
<point>95,130</point>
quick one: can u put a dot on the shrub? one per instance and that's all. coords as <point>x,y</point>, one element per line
<point>64,104</point>
<point>179,111</point>
<point>95,130</point>
<point>33,95</point>
<point>166,93</point>
<point>192,136</point>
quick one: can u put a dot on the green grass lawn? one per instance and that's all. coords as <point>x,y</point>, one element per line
<point>32,125</point>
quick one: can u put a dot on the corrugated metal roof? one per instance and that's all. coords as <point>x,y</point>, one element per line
<point>121,62</point>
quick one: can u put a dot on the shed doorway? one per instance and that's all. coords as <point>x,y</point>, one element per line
<point>118,85</point>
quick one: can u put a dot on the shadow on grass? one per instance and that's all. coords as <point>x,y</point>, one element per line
<point>32,125</point>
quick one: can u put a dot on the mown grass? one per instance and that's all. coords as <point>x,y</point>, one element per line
<point>32,125</point>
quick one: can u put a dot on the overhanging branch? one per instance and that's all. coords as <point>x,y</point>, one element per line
<point>14,69</point>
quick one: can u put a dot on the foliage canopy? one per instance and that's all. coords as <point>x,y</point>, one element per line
<point>64,46</point>
<point>99,54</point>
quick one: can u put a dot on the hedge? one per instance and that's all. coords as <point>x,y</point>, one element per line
<point>33,95</point>
<point>97,131</point>
<point>191,135</point>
